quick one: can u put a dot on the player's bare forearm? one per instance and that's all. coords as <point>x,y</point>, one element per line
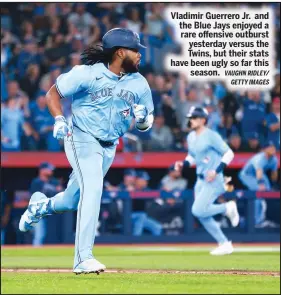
<point>61,129</point>
<point>54,102</point>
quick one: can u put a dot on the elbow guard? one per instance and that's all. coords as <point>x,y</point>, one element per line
<point>147,124</point>
<point>228,157</point>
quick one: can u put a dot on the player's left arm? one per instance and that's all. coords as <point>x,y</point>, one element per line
<point>227,155</point>
<point>143,111</point>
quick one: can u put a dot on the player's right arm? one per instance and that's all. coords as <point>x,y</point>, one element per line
<point>259,176</point>
<point>224,150</point>
<point>53,102</point>
<point>143,110</point>
<point>258,165</point>
<point>188,161</point>
<point>76,80</point>
<point>61,128</point>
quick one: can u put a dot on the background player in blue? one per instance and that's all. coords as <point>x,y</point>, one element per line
<point>106,92</point>
<point>253,176</point>
<point>211,155</point>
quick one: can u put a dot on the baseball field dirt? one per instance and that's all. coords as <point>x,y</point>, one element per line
<point>143,269</point>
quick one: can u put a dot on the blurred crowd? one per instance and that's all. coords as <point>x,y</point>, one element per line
<point>39,41</point>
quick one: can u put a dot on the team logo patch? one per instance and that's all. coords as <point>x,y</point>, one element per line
<point>125,113</point>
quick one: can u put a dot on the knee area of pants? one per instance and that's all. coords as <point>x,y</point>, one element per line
<point>197,212</point>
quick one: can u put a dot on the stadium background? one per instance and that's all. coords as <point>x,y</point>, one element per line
<point>39,41</point>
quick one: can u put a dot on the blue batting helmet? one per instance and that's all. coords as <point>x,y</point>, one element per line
<point>120,37</point>
<point>197,112</point>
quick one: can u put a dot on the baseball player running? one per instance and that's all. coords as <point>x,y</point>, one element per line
<point>106,93</point>
<point>211,155</point>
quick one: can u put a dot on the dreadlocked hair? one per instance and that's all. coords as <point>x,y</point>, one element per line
<point>97,54</point>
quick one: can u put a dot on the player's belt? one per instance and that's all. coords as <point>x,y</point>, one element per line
<point>102,142</point>
<point>105,143</point>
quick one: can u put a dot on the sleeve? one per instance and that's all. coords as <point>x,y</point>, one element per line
<point>76,80</point>
<point>146,98</point>
<point>218,143</point>
<point>190,153</point>
<point>258,162</point>
<point>190,159</point>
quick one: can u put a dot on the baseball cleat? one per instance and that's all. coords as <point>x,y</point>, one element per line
<point>232,213</point>
<point>36,210</point>
<point>89,266</point>
<point>223,249</point>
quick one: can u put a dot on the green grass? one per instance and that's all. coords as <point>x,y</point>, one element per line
<point>15,283</point>
<point>137,258</point>
<point>118,257</point>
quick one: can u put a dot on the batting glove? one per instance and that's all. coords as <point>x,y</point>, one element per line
<point>140,113</point>
<point>61,128</point>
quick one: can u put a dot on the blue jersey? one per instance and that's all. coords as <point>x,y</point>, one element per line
<point>41,118</point>
<point>253,117</point>
<point>102,101</point>
<point>260,161</point>
<point>207,149</point>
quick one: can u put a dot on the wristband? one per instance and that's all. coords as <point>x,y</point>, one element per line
<point>221,167</point>
<point>186,164</point>
<point>60,118</point>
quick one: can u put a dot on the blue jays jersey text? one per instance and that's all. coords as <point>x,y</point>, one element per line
<point>102,101</point>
